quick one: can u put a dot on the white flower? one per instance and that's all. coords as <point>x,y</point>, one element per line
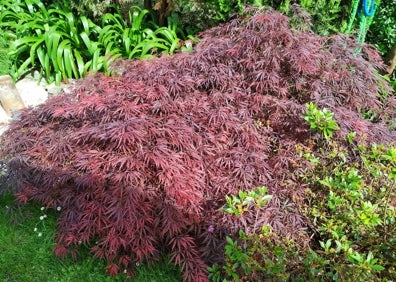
<point>42,217</point>
<point>40,234</point>
<point>42,208</point>
<point>58,208</point>
<point>35,229</point>
<point>45,216</point>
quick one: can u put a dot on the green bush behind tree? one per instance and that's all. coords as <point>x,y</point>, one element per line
<point>63,22</point>
<point>383,29</point>
<point>327,16</point>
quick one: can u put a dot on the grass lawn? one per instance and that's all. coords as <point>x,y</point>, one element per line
<point>26,254</point>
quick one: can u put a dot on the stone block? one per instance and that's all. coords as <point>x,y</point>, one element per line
<point>10,98</point>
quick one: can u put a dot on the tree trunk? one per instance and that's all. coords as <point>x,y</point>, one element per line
<point>162,12</point>
<point>147,4</point>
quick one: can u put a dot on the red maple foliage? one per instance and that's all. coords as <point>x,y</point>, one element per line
<point>140,162</point>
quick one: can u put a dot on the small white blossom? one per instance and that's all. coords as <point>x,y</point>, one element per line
<point>188,43</point>
<point>58,208</point>
<point>42,208</point>
<point>40,234</point>
<point>42,217</point>
<point>35,229</point>
<point>45,216</point>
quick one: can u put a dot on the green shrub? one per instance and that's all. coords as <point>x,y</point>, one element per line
<point>382,31</point>
<point>321,120</point>
<point>351,206</point>
<point>324,17</point>
<point>327,17</point>
<point>195,16</point>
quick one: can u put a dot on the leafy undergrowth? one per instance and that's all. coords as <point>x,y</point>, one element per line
<point>350,206</point>
<point>140,163</point>
<point>5,61</point>
<point>26,244</point>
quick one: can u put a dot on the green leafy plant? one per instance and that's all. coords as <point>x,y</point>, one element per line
<point>324,17</point>
<point>196,16</point>
<point>328,16</point>
<point>238,204</point>
<point>258,253</point>
<point>382,30</point>
<point>5,63</point>
<point>351,205</point>
<point>54,41</point>
<point>355,214</point>
<point>139,36</point>
<point>321,120</point>
<point>118,37</point>
<point>62,46</point>
<point>238,256</point>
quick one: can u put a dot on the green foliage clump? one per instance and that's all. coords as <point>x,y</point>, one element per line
<point>5,62</point>
<point>195,16</point>
<point>90,7</point>
<point>321,120</point>
<point>224,8</point>
<point>61,45</point>
<point>258,253</point>
<point>327,17</point>
<point>382,30</point>
<point>351,207</point>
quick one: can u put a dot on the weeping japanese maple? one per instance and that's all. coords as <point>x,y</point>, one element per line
<point>141,161</point>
